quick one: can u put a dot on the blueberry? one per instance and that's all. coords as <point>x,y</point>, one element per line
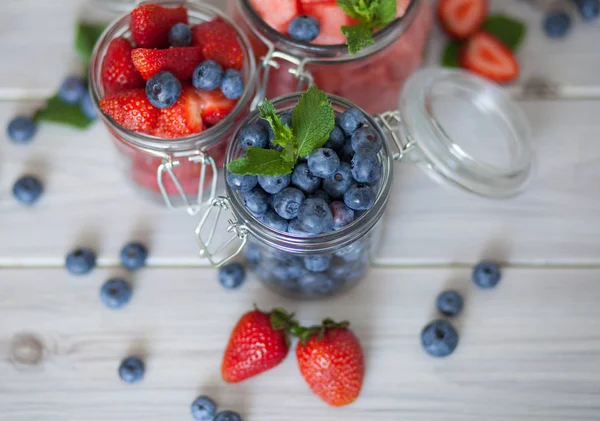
<point>295,227</point>
<point>286,117</point>
<point>252,254</point>
<point>315,216</point>
<point>241,183</point>
<point>486,274</point>
<point>252,136</point>
<point>232,85</point>
<point>367,139</point>
<point>287,202</point>
<point>366,167</point>
<point>317,263</point>
<point>203,408</point>
<point>439,338</point>
<point>227,416</point>
<point>27,190</point>
<point>336,139</point>
<point>316,284</point>
<point>342,215</point>
<point>268,129</point>
<point>134,255</point>
<point>323,162</point>
<point>274,184</point>
<point>339,182</point>
<point>449,303</point>
<point>351,119</point>
<point>87,106</point>
<point>21,129</point>
<point>304,179</point>
<point>231,276</point>
<point>208,75</point>
<point>180,35</point>
<point>347,153</point>
<point>359,197</point>
<point>115,293</point>
<point>288,269</point>
<point>163,90</point>
<point>589,9</point>
<point>256,201</point>
<point>304,28</point>
<point>71,91</point>
<point>322,195</point>
<point>81,261</point>
<point>351,252</point>
<point>132,370</point>
<point>273,220</point>
<point>557,23</point>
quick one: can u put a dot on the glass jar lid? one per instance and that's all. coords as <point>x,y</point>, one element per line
<point>466,131</point>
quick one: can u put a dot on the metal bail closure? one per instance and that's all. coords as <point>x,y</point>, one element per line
<point>206,162</point>
<point>224,250</point>
<point>392,122</point>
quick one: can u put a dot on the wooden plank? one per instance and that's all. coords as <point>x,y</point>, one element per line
<point>529,350</point>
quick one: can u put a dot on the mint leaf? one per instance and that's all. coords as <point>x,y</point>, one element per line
<point>283,134</point>
<point>313,121</point>
<point>386,12</point>
<point>509,31</point>
<point>451,53</point>
<point>86,36</point>
<point>260,161</point>
<point>357,37</point>
<point>57,111</point>
<point>371,14</point>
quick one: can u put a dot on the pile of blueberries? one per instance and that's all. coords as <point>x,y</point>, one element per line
<point>558,19</point>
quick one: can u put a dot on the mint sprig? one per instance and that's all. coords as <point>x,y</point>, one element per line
<point>312,122</point>
<point>371,14</point>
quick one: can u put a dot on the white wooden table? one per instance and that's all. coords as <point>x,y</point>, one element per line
<point>529,349</point>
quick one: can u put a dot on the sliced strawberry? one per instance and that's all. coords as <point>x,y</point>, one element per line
<point>181,61</point>
<point>276,13</point>
<point>331,17</point>
<point>485,55</point>
<point>219,42</point>
<point>462,18</point>
<point>215,106</point>
<point>182,119</point>
<point>132,110</point>
<point>150,24</point>
<point>118,72</point>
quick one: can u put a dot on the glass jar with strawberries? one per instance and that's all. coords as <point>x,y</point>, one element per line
<point>172,80</point>
<point>309,175</point>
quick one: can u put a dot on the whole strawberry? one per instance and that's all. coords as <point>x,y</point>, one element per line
<point>331,361</point>
<point>258,343</point>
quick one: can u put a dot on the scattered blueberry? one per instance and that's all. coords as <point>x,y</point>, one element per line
<point>366,167</point>
<point>304,179</point>
<point>208,75</point>
<point>227,416</point>
<point>366,138</point>
<point>304,28</point>
<point>287,202</point>
<point>132,370</point>
<point>273,220</point>
<point>589,9</point>
<point>315,216</point>
<point>342,215</point>
<point>286,117</point>
<point>27,190</point>
<point>317,262</point>
<point>87,106</point>
<point>115,293</point>
<point>252,136</point>
<point>336,139</point>
<point>322,195</point>
<point>134,255</point>
<point>316,284</point>
<point>232,85</point>
<point>71,91</point>
<point>21,129</point>
<point>274,184</point>
<point>557,23</point>
<point>450,303</point>
<point>180,35</point>
<point>339,182</point>
<point>486,274</point>
<point>256,200</point>
<point>81,261</point>
<point>163,89</point>
<point>203,408</point>
<point>323,162</point>
<point>231,276</point>
<point>439,338</point>
<point>351,119</point>
<point>295,227</point>
<point>241,183</point>
<point>359,197</point>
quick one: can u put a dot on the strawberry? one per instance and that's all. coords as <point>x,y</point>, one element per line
<point>331,361</point>
<point>132,110</point>
<point>182,119</point>
<point>181,61</point>
<point>150,24</point>
<point>258,343</point>
<point>461,18</point>
<point>277,13</point>
<point>215,106</point>
<point>219,42</point>
<point>118,72</point>
<point>485,55</point>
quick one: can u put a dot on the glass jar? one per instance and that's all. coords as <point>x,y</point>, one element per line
<point>460,128</point>
<point>179,171</point>
<point>372,78</point>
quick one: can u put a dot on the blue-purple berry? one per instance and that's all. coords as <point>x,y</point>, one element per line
<point>315,216</point>
<point>80,261</point>
<point>342,215</point>
<point>273,220</point>
<point>304,28</point>
<point>339,182</point>
<point>449,303</point>
<point>486,274</point>
<point>253,136</point>
<point>439,338</point>
<point>180,35</point>
<point>304,179</point>
<point>366,167</point>
<point>21,129</point>
<point>134,255</point>
<point>366,139</point>
<point>203,408</point>
<point>27,190</point>
<point>274,184</point>
<point>287,202</point>
<point>115,293</point>
<point>241,183</point>
<point>359,197</point>
<point>232,276</point>
<point>256,201</point>
<point>232,84</point>
<point>208,75</point>
<point>132,370</point>
<point>163,89</point>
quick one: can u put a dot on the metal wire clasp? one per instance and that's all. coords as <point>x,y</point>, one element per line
<point>392,122</point>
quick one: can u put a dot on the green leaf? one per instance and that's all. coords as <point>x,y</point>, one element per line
<point>371,14</point>
<point>86,36</point>
<point>283,134</point>
<point>386,13</point>
<point>57,111</point>
<point>508,30</point>
<point>313,120</point>
<point>260,161</point>
<point>357,37</point>
<point>450,55</point>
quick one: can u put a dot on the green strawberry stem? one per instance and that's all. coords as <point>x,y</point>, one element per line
<point>304,334</point>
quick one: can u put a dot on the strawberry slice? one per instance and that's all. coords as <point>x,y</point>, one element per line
<point>118,72</point>
<point>182,119</point>
<point>219,42</point>
<point>461,18</point>
<point>215,106</point>
<point>488,57</point>
<point>277,13</point>
<point>150,24</point>
<point>132,110</point>
<point>181,61</point>
<point>331,17</point>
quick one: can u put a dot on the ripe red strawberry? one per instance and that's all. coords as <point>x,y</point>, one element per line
<point>182,119</point>
<point>215,106</point>
<point>118,72</point>
<point>485,55</point>
<point>331,361</point>
<point>181,61</point>
<point>461,18</point>
<point>258,343</point>
<point>219,42</point>
<point>132,110</point>
<point>150,24</point>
